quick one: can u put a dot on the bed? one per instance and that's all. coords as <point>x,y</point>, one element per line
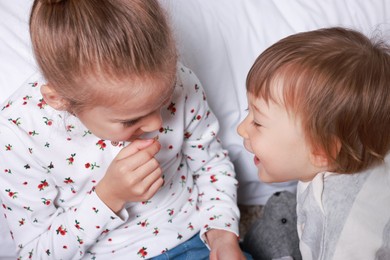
<point>219,40</point>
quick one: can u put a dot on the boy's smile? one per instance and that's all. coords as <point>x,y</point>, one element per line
<point>256,160</point>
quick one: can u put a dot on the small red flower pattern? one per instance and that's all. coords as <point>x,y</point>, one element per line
<point>61,231</point>
<point>142,253</point>
<point>71,158</point>
<point>43,185</point>
<point>101,144</point>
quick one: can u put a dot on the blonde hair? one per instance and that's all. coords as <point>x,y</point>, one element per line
<point>337,83</point>
<point>74,40</point>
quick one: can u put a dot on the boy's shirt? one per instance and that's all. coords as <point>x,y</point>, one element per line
<point>345,216</point>
<point>51,163</point>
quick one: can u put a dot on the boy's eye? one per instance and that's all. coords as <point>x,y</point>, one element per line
<point>256,124</point>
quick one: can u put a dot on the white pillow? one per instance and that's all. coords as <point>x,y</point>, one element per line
<point>17,63</point>
<point>220,39</point>
<point>16,66</point>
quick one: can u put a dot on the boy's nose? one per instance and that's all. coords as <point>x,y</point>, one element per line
<point>241,129</point>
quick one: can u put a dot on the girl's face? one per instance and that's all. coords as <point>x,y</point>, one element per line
<point>134,113</point>
<point>277,141</point>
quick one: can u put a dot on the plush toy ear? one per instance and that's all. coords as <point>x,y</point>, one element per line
<point>52,98</point>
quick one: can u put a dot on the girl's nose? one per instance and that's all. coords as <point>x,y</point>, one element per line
<point>153,123</point>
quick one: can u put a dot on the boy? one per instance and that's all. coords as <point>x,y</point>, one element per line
<point>319,112</point>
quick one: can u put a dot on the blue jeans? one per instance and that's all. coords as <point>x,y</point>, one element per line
<point>192,249</point>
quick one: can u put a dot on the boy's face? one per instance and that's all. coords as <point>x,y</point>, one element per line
<point>277,141</point>
<point>135,113</point>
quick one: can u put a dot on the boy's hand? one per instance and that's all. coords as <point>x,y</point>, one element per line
<point>133,175</point>
<point>224,245</point>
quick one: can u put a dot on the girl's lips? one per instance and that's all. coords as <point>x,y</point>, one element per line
<point>256,160</point>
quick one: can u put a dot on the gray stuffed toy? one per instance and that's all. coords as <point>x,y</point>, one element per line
<point>274,236</point>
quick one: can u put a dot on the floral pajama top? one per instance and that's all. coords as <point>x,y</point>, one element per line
<point>50,164</point>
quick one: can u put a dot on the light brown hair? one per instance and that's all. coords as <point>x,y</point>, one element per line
<point>74,40</point>
<point>336,81</point>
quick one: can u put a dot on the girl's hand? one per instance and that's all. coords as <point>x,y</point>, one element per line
<point>133,175</point>
<point>224,245</point>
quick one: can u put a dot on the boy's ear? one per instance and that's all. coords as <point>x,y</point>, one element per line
<point>320,158</point>
<point>52,98</point>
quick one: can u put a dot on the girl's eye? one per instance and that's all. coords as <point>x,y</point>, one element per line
<point>129,123</point>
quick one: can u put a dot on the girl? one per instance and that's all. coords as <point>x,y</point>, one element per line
<point>84,175</point>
